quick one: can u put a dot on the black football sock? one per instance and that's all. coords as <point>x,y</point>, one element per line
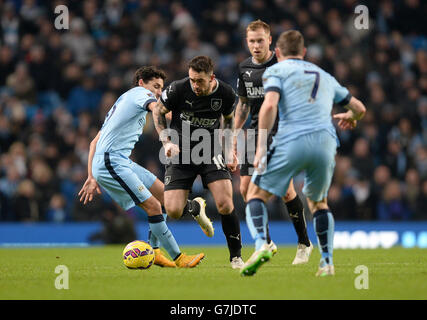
<point>192,207</point>
<point>296,213</point>
<point>231,229</point>
<point>268,238</point>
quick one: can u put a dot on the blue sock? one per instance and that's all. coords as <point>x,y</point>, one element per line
<point>257,219</point>
<point>152,239</point>
<point>323,223</point>
<point>161,231</point>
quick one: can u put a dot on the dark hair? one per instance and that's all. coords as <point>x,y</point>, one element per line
<point>147,74</point>
<point>291,43</point>
<point>201,64</point>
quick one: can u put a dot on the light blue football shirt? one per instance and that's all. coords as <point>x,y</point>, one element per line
<point>124,123</point>
<point>307,94</point>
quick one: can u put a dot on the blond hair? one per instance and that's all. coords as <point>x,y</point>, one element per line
<point>258,24</point>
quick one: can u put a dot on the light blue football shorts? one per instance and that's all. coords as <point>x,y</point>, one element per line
<point>125,181</point>
<point>313,153</point>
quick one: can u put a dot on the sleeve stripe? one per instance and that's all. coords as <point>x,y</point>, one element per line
<point>146,103</point>
<point>275,89</point>
<point>345,101</point>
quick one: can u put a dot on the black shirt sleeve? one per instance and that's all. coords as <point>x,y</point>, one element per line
<point>169,97</point>
<point>241,90</point>
<point>230,102</point>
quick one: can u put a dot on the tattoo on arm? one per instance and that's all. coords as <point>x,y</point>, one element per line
<point>160,121</point>
<point>242,110</point>
<point>228,126</point>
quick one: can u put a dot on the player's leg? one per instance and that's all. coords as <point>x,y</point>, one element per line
<point>179,180</point>
<point>159,228</point>
<point>295,209</point>
<point>323,223</point>
<point>126,188</point>
<point>244,184</point>
<point>222,192</point>
<point>245,178</point>
<point>175,201</point>
<point>316,185</point>
<point>281,164</point>
<point>257,221</point>
<point>156,188</point>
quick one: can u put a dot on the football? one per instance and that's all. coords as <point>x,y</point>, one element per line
<point>138,255</point>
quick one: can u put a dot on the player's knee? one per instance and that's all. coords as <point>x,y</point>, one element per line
<point>151,206</point>
<point>289,196</point>
<point>290,193</point>
<point>317,205</point>
<point>174,212</point>
<point>225,206</point>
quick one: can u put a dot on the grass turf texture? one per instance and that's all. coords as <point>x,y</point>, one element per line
<point>99,273</point>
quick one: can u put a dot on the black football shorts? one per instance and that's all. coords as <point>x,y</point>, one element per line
<point>182,176</point>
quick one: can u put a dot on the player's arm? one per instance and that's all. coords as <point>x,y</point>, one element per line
<point>356,111</point>
<point>242,112</point>
<point>230,155</point>
<point>90,187</point>
<point>266,118</point>
<point>159,117</point>
<point>241,115</point>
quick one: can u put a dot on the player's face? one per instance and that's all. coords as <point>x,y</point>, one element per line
<point>200,82</point>
<point>155,85</point>
<point>258,42</point>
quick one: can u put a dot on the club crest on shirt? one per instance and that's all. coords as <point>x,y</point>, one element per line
<point>216,104</point>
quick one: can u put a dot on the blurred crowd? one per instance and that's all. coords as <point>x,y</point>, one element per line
<point>57,85</point>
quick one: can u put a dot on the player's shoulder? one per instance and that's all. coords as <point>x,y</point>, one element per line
<point>247,63</point>
<point>181,84</point>
<point>138,93</point>
<point>276,69</point>
<point>225,88</point>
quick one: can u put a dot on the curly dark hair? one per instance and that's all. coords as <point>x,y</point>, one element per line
<point>147,74</point>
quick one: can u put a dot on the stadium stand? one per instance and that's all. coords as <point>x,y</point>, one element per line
<point>57,85</point>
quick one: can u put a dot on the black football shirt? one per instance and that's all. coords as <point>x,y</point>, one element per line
<point>249,85</point>
<point>197,112</point>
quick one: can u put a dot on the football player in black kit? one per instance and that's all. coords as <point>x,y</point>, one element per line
<point>200,101</point>
<point>251,95</point>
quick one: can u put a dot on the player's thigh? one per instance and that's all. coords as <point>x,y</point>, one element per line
<point>281,166</point>
<point>320,169</point>
<point>179,177</point>
<point>116,177</point>
<point>175,201</point>
<point>147,177</point>
<point>222,192</point>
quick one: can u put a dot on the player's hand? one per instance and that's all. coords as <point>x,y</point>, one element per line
<point>89,189</point>
<point>258,163</point>
<point>232,165</point>
<point>345,120</point>
<point>171,149</point>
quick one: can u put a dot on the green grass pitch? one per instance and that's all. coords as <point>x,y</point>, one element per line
<point>98,273</point>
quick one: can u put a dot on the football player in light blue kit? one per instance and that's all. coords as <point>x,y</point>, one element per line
<point>126,182</point>
<point>303,95</point>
